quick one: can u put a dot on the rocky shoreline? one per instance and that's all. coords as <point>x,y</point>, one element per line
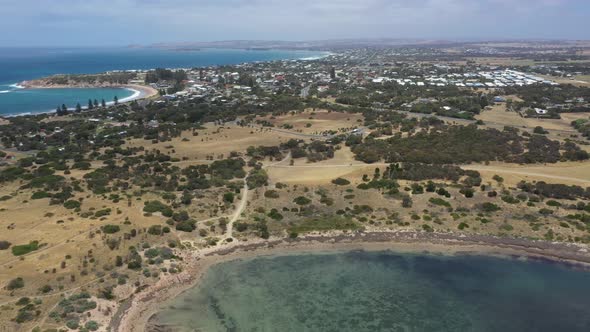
<point>136,313</point>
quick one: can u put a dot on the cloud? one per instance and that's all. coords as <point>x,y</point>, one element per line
<point>147,21</point>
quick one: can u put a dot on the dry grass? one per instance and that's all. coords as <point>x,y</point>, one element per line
<point>567,173</point>
<point>310,122</point>
<point>215,141</point>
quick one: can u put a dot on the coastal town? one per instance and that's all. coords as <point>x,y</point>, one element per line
<point>113,208</point>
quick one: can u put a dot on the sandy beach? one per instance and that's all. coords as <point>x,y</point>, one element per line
<point>134,314</point>
<point>140,92</point>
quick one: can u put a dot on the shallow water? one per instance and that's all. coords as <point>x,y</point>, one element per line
<point>384,291</point>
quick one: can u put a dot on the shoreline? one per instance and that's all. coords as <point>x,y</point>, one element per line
<point>139,92</point>
<point>134,314</point>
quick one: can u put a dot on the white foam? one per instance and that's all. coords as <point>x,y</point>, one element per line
<point>136,94</point>
<point>16,86</point>
<point>318,57</point>
<point>5,91</point>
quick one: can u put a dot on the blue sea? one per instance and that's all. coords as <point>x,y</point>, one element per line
<point>20,64</point>
<point>383,291</point>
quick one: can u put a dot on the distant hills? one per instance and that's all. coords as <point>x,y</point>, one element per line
<point>336,44</point>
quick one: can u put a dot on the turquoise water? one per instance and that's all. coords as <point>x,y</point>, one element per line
<point>20,64</point>
<point>384,291</point>
<point>25,101</point>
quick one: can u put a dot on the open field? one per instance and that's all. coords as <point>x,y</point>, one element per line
<point>215,141</point>
<point>566,173</point>
<point>559,129</point>
<point>310,122</point>
<point>577,80</point>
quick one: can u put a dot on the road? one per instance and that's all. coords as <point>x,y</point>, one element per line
<point>305,92</point>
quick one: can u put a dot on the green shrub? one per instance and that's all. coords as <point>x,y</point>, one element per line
<point>302,200</point>
<point>241,226</point>
<point>510,199</point>
<point>490,207</point>
<point>271,194</point>
<point>274,214</point>
<point>228,197</point>
<point>72,204</point>
<point>102,213</point>
<point>110,229</point>
<point>439,202</point>
<point>91,325</point>
<point>40,195</point>
<point>5,245</point>
<point>24,249</point>
<point>15,284</point>
<point>157,206</point>
<point>155,230</point>
<point>186,226</point>
<point>341,182</point>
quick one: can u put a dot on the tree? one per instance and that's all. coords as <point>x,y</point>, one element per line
<point>90,105</point>
<point>64,108</point>
<point>116,100</point>
<point>103,103</point>
<point>95,103</point>
<point>78,108</point>
<point>407,202</point>
<point>228,197</point>
<point>333,73</point>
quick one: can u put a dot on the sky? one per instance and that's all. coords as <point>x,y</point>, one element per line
<point>125,22</point>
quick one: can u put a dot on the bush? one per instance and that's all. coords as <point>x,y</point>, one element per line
<point>91,325</point>
<point>157,206</point>
<point>274,214</point>
<point>301,200</point>
<point>490,207</point>
<point>25,248</point>
<point>72,204</point>
<point>341,182</point>
<point>155,230</point>
<point>228,197</point>
<point>439,202</point>
<point>545,211</point>
<point>110,229</point>
<point>407,202</point>
<point>73,324</point>
<point>15,284</point>
<point>241,226</point>
<point>5,245</point>
<point>102,213</point>
<point>510,199</point>
<point>271,194</point>
<point>186,226</point>
<point>45,289</point>
<point>40,195</point>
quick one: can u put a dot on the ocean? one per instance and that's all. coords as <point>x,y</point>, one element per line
<point>383,291</point>
<point>20,64</point>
